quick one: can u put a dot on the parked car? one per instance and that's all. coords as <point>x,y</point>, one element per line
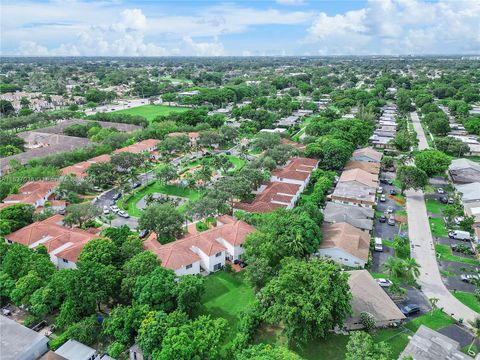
<point>384,282</point>
<point>135,185</point>
<point>391,220</point>
<point>378,244</point>
<point>458,220</point>
<point>443,199</point>
<point>383,181</point>
<point>390,210</point>
<point>383,198</point>
<point>380,190</point>
<point>393,192</point>
<point>382,218</point>
<point>123,214</point>
<point>410,309</point>
<point>143,234</point>
<point>97,189</point>
<point>242,264</point>
<point>450,200</point>
<point>114,208</point>
<point>440,191</point>
<point>459,235</point>
<point>117,196</point>
<point>468,278</point>
<point>106,210</point>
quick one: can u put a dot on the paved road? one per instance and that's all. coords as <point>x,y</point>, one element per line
<point>423,248</point>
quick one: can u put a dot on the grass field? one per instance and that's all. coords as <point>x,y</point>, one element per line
<point>236,161</point>
<point>436,319</point>
<point>446,254</point>
<point>434,206</point>
<point>226,295</point>
<point>150,112</point>
<point>468,299</point>
<point>437,226</point>
<point>157,187</point>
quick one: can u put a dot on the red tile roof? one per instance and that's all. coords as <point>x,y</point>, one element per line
<point>63,242</point>
<point>139,147</point>
<point>296,145</point>
<point>31,192</point>
<point>181,252</point>
<point>268,199</point>
<point>297,168</point>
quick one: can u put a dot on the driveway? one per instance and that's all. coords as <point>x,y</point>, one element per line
<point>423,249</point>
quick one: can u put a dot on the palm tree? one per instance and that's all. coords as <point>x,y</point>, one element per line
<point>433,302</point>
<point>476,333</point>
<point>297,244</point>
<point>393,266</point>
<point>412,267</point>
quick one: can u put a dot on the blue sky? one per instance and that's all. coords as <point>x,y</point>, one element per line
<point>218,28</point>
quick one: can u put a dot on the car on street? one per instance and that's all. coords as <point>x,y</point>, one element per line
<point>390,210</point>
<point>440,191</point>
<point>382,218</point>
<point>410,309</point>
<point>143,234</point>
<point>383,181</point>
<point>383,198</point>
<point>393,192</point>
<point>106,210</point>
<point>384,282</point>
<point>117,196</point>
<point>469,278</point>
<point>380,190</point>
<point>114,208</point>
<point>391,220</point>
<point>123,214</point>
<point>443,199</point>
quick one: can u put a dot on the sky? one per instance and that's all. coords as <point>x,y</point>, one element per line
<point>238,28</point>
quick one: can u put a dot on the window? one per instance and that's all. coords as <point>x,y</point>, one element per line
<point>65,261</point>
<point>217,267</point>
<point>218,254</point>
<point>189,266</point>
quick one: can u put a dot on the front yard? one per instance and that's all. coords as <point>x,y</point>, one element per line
<point>444,252</point>
<point>468,299</point>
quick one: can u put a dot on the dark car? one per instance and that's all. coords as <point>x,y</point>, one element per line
<point>143,234</point>
<point>443,199</point>
<point>393,192</point>
<point>410,309</point>
<point>242,264</point>
<point>117,196</point>
<point>383,181</point>
<point>382,218</point>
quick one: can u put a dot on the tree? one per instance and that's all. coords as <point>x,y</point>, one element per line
<point>387,162</point>
<point>124,322</point>
<point>138,265</point>
<point>127,162</point>
<point>188,292</point>
<point>100,250</point>
<point>412,268</point>
<point>80,213</point>
<point>15,217</point>
<point>102,174</point>
<point>467,223</point>
<point>433,302</point>
<point>433,162</point>
<point>164,220</point>
<point>156,289</point>
<point>402,141</point>
<point>266,352</point>
<point>332,153</point>
<point>451,146</point>
<point>6,107</point>
<point>439,127</point>
<point>411,177</point>
<point>393,266</point>
<point>209,139</point>
<point>166,173</point>
<point>266,140</point>
<point>368,320</point>
<point>361,346</point>
<point>308,297</point>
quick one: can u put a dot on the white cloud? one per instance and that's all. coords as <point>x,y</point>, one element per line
<point>400,27</point>
<point>205,48</point>
<point>290,2</point>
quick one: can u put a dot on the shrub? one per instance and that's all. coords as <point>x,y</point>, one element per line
<point>367,320</point>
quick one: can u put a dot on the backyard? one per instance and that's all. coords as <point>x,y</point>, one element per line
<point>157,187</point>
<point>150,112</point>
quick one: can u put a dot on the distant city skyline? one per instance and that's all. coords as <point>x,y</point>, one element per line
<point>239,28</point>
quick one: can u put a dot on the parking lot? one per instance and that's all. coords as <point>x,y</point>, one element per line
<point>384,230</point>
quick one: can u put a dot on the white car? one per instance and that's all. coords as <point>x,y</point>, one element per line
<point>390,210</point>
<point>106,210</point>
<point>114,208</point>
<point>440,191</point>
<point>380,190</point>
<point>383,198</point>
<point>384,282</point>
<point>123,214</point>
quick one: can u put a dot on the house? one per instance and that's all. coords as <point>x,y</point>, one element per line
<point>359,217</point>
<point>74,350</point>
<point>207,250</point>
<point>135,353</point>
<point>192,136</point>
<point>272,196</point>
<point>469,192</point>
<point>367,154</point>
<point>18,342</point>
<point>353,195</point>
<point>35,193</point>
<point>144,146</point>
<point>63,244</point>
<point>381,142</point>
<point>298,146</point>
<point>368,296</point>
<point>297,170</point>
<point>473,209</point>
<point>345,244</point>
<point>369,167</point>
<point>359,177</point>
<point>428,344</point>
<point>80,169</point>
<point>464,171</point>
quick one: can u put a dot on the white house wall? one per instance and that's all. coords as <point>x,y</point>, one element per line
<point>342,257</point>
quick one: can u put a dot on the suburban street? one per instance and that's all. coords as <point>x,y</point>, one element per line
<point>423,247</point>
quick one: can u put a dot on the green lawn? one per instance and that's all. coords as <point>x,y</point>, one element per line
<point>468,299</point>
<point>237,162</point>
<point>434,206</point>
<point>396,338</point>
<point>150,112</point>
<point>446,254</point>
<point>436,319</point>
<point>157,187</point>
<point>437,226</point>
<point>226,295</point>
